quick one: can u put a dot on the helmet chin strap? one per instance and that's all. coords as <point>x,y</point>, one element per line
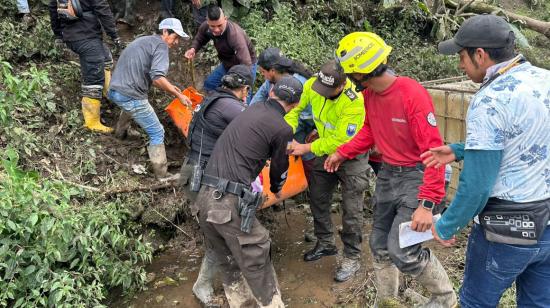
<point>359,83</point>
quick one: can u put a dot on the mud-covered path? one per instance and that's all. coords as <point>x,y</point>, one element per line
<point>302,284</point>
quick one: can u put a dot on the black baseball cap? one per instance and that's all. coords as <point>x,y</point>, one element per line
<point>288,89</point>
<point>481,31</point>
<point>272,56</point>
<point>329,78</point>
<point>242,71</point>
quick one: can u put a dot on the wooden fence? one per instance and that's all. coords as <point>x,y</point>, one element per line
<point>451,97</point>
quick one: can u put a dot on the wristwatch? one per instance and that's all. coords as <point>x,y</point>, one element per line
<point>426,204</point>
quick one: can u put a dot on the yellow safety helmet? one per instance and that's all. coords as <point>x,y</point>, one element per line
<point>362,52</point>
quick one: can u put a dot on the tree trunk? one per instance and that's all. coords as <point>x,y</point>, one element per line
<point>531,23</point>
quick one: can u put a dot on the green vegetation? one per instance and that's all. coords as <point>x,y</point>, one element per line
<point>56,250</point>
<point>301,38</point>
<point>58,246</point>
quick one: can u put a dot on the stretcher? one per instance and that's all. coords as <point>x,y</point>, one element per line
<point>296,180</point>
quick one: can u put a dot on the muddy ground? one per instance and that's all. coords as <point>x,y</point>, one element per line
<point>310,284</point>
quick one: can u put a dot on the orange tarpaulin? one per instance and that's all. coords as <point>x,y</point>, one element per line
<point>181,114</point>
<point>295,182</point>
<point>296,179</point>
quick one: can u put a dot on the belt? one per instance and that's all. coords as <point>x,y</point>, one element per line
<point>394,168</point>
<point>217,183</point>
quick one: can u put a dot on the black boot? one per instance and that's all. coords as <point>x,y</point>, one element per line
<point>319,251</point>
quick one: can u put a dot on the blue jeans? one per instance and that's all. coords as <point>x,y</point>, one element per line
<point>491,268</point>
<point>23,7</point>
<point>143,113</point>
<point>214,80</point>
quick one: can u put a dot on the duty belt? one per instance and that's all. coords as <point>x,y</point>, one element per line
<point>223,185</point>
<point>249,200</point>
<point>394,168</point>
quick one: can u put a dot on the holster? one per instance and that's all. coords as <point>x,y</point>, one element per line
<point>196,178</point>
<point>249,201</point>
<point>514,223</point>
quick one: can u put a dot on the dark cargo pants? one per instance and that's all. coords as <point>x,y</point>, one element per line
<point>234,250</point>
<point>94,57</point>
<point>352,175</point>
<point>395,202</point>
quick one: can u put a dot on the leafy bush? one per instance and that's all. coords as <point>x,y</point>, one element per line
<point>22,42</point>
<point>55,251</point>
<point>414,54</point>
<point>305,39</point>
<point>25,103</point>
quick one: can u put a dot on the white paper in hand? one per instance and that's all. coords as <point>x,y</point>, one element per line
<point>408,237</point>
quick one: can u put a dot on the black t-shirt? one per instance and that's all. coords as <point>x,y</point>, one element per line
<point>256,135</point>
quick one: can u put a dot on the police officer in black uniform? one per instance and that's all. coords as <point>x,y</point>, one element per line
<point>209,121</point>
<point>239,242</point>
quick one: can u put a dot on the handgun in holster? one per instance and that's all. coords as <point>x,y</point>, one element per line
<point>248,203</point>
<point>196,177</point>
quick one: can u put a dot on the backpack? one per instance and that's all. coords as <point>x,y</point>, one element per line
<point>69,9</point>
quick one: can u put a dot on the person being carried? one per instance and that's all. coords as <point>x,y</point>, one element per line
<point>401,122</point>
<point>231,42</point>
<point>274,66</point>
<point>505,182</point>
<point>82,32</point>
<point>209,121</point>
<point>339,114</point>
<point>227,204</point>
<point>144,62</point>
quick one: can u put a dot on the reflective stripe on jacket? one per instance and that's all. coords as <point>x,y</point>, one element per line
<point>337,120</point>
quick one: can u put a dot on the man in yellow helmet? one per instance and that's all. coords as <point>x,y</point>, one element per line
<point>338,114</point>
<point>401,122</point>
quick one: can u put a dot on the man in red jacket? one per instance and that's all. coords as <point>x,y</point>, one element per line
<point>401,122</point>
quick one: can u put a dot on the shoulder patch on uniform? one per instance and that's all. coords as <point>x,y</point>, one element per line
<point>351,129</point>
<point>431,119</point>
<point>349,92</point>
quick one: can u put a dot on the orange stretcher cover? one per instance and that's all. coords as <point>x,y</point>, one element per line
<point>295,183</point>
<point>181,114</point>
<point>296,180</point>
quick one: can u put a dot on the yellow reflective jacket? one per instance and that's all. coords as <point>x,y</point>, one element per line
<point>337,121</point>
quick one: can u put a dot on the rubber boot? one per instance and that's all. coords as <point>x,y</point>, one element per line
<point>387,284</point>
<point>276,301</point>
<point>122,125</point>
<point>239,294</point>
<point>435,279</point>
<point>157,156</point>
<point>90,110</point>
<point>202,288</point>
<point>107,82</point>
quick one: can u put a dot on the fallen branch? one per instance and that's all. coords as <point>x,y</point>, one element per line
<point>478,7</point>
<point>140,188</point>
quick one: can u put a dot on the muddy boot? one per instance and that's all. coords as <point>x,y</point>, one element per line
<point>203,286</point>
<point>239,294</point>
<point>435,279</point>
<point>347,269</point>
<point>387,284</point>
<point>276,301</point>
<point>91,112</point>
<point>157,155</point>
<point>122,125</point>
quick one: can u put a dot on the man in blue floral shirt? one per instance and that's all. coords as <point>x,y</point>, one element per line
<point>505,182</point>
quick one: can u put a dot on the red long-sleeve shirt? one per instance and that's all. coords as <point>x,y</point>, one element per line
<point>401,122</point>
